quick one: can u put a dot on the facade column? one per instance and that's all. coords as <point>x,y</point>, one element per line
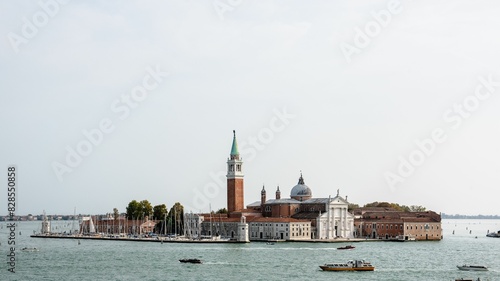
<point>328,223</point>
<point>341,220</point>
<point>346,224</point>
<point>334,223</point>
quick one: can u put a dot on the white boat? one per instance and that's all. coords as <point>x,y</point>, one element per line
<point>404,238</point>
<point>494,234</point>
<point>356,265</point>
<point>472,267</point>
<point>29,249</point>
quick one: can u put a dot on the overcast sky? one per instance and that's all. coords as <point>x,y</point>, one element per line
<point>103,102</point>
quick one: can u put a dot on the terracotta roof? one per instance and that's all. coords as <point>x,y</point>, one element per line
<point>306,215</point>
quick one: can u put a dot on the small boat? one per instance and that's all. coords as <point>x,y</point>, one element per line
<point>356,265</point>
<point>405,238</point>
<point>190,260</point>
<point>270,243</point>
<point>494,234</point>
<point>472,267</point>
<point>29,249</point>
<point>348,247</point>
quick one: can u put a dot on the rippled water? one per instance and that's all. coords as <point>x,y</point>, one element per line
<point>61,259</point>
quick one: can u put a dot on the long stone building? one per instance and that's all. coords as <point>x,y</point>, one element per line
<point>388,223</point>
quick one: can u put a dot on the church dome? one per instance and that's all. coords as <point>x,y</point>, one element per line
<point>301,191</point>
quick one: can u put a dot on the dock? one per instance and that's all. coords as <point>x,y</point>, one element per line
<point>138,239</point>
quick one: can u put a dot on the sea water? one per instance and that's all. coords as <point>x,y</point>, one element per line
<point>66,259</point>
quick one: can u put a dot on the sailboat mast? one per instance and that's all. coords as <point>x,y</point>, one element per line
<point>73,222</point>
<point>210,207</point>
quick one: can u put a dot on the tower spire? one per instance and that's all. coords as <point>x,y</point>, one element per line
<point>235,153</point>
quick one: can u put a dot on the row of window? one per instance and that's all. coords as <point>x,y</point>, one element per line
<point>387,226</point>
<point>266,228</point>
<point>268,209</point>
<point>423,227</point>
<point>265,234</point>
<point>238,168</point>
<point>298,228</point>
<point>277,224</point>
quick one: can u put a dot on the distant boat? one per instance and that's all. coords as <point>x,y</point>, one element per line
<point>29,249</point>
<point>405,238</point>
<point>270,243</point>
<point>348,247</point>
<point>494,234</point>
<point>356,265</point>
<point>472,267</point>
<point>190,260</point>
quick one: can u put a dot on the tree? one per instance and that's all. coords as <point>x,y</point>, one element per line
<point>134,210</point>
<point>373,204</point>
<point>415,208</point>
<point>401,208</point>
<point>176,218</point>
<point>352,206</point>
<point>146,208</point>
<point>396,206</point>
<point>222,211</point>
<point>116,214</point>
<point>159,211</point>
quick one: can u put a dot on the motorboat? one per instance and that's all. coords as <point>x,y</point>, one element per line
<point>190,260</point>
<point>348,247</point>
<point>404,238</point>
<point>352,265</point>
<point>29,249</point>
<point>494,234</point>
<point>472,267</point>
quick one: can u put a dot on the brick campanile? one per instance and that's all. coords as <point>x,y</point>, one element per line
<point>235,197</point>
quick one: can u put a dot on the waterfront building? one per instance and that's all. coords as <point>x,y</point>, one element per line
<point>329,217</point>
<point>300,217</point>
<point>272,228</point>
<point>390,224</point>
<point>119,226</point>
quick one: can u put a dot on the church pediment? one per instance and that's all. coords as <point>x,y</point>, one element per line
<point>338,200</point>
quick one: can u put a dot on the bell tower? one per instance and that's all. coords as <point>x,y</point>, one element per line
<point>262,196</point>
<point>234,176</point>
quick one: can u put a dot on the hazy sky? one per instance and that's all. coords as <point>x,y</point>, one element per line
<point>103,102</point>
